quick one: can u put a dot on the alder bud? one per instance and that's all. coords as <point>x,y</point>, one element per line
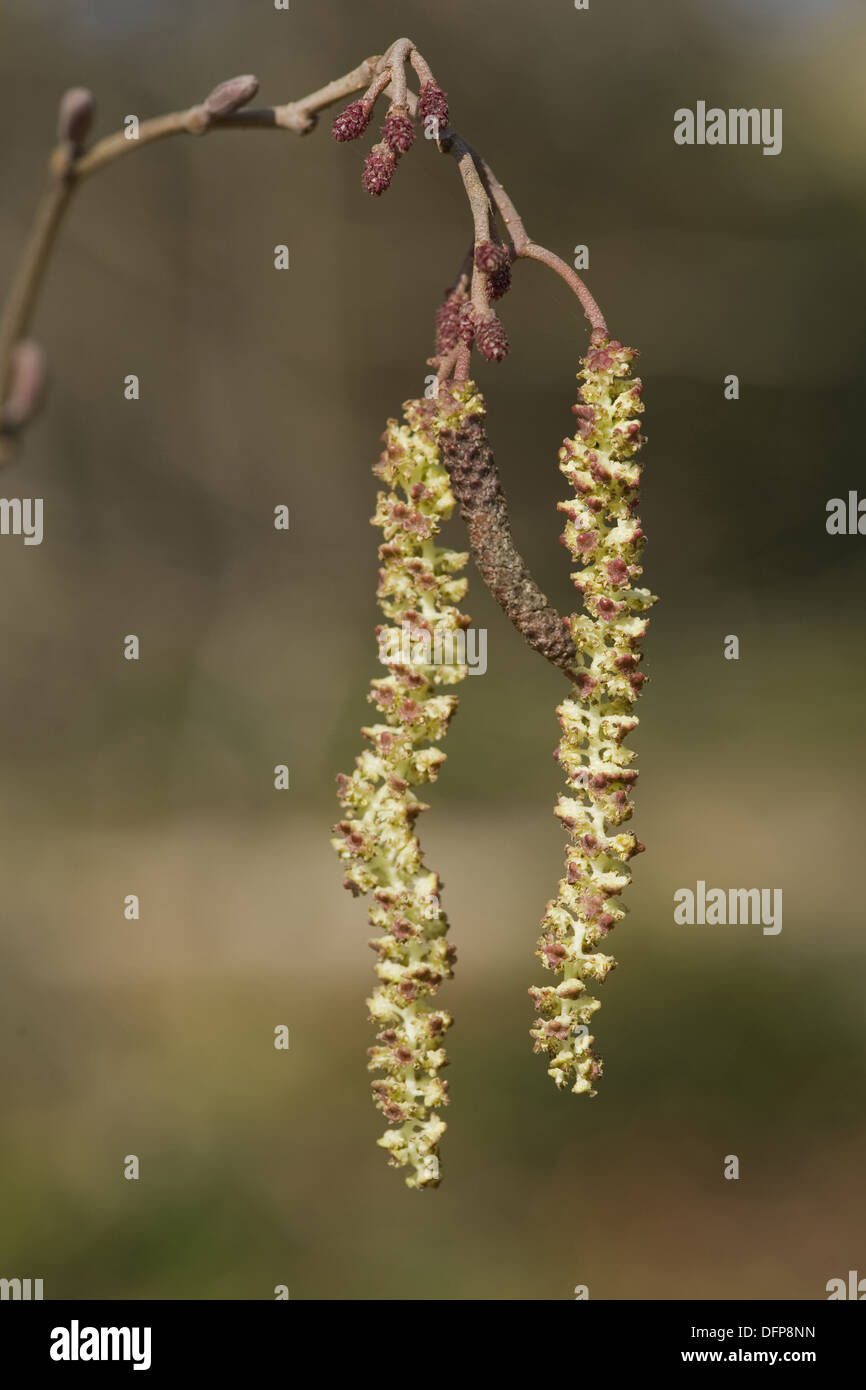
<point>490,256</point>
<point>432,102</point>
<point>466,324</point>
<point>352,121</point>
<point>491,339</point>
<point>75,115</point>
<point>379,169</point>
<point>398,131</point>
<point>27,384</point>
<point>448,322</point>
<point>231,95</point>
<point>499,282</point>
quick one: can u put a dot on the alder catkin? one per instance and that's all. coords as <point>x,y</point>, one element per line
<point>419,587</point>
<point>604,535</point>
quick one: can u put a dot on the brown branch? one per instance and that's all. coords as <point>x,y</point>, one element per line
<point>484,191</point>
<point>69,165</point>
<point>297,117</point>
<point>527,249</point>
<point>467,452</point>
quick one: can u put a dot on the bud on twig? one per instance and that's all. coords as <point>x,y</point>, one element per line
<point>499,282</point>
<point>352,121</point>
<point>491,256</point>
<point>491,338</point>
<point>229,96</point>
<point>25,391</point>
<point>432,102</point>
<point>75,115</point>
<point>466,324</point>
<point>398,132</point>
<point>448,322</point>
<point>379,169</point>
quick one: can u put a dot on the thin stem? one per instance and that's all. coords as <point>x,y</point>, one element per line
<point>468,455</point>
<point>527,249</point>
<point>298,117</point>
<point>396,62</point>
<point>68,167</point>
<point>27,283</point>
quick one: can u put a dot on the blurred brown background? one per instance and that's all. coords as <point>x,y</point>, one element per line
<point>155,1038</point>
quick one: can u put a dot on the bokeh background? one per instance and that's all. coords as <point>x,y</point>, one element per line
<point>154,1037</point>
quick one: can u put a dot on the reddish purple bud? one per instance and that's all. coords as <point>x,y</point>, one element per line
<point>379,169</point>
<point>490,256</point>
<point>592,904</point>
<point>448,322</point>
<point>25,391</point>
<point>499,283</point>
<point>491,339</point>
<point>466,327</point>
<point>597,360</point>
<point>75,115</point>
<point>353,121</point>
<point>231,95</point>
<point>554,952</point>
<point>606,607</point>
<point>399,130</point>
<point>432,102</point>
<point>617,571</point>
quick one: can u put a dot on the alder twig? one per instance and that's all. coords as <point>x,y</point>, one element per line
<point>69,164</point>
<point>469,457</point>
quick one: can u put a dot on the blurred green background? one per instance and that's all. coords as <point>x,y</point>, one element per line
<point>258,388</point>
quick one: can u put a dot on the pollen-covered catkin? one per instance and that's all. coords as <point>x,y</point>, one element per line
<point>604,535</point>
<point>419,587</point>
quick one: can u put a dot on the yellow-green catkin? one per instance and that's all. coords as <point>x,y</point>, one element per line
<point>420,586</point>
<point>604,536</point>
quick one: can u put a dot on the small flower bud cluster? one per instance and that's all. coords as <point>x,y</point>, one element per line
<point>450,318</point>
<point>604,535</point>
<point>432,102</point>
<point>419,588</point>
<point>398,137</point>
<point>491,338</point>
<point>494,261</point>
<point>352,121</point>
<point>458,322</point>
